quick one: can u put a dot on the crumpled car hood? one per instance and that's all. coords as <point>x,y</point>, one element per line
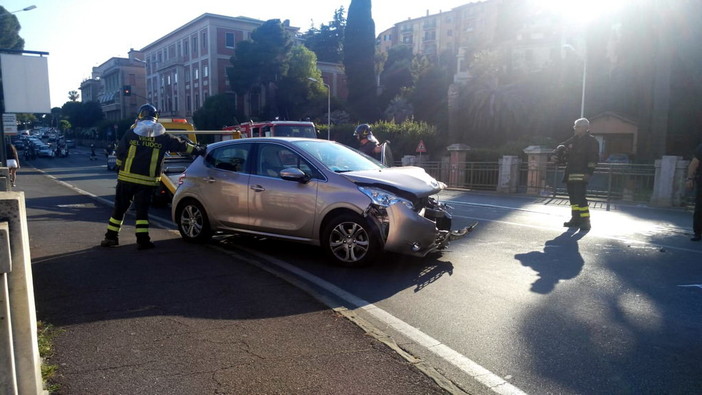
<point>401,180</point>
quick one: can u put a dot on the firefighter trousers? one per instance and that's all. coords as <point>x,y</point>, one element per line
<point>577,194</point>
<point>697,215</point>
<point>126,194</point>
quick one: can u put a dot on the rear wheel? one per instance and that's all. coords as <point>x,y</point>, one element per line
<point>193,224</point>
<point>350,240</point>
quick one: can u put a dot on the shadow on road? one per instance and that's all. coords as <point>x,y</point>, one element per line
<point>560,260</point>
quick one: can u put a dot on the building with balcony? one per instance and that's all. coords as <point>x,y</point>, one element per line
<point>456,33</point>
<point>106,83</point>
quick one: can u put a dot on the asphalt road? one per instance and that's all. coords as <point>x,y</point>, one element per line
<point>543,308</point>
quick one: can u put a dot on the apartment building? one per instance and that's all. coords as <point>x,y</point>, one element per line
<point>456,33</point>
<point>108,79</point>
<point>190,64</point>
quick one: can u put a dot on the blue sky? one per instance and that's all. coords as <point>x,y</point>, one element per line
<point>81,34</point>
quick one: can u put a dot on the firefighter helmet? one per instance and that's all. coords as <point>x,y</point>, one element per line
<point>362,131</point>
<point>147,111</point>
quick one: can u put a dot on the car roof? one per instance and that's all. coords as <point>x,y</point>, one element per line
<point>266,139</point>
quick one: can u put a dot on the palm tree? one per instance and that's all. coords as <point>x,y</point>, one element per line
<point>492,111</point>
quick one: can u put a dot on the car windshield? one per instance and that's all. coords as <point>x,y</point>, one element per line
<point>338,157</point>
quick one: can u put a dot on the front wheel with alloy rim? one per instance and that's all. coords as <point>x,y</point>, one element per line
<point>350,240</point>
<point>192,222</point>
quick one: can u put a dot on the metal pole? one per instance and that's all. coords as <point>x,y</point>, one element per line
<point>3,159</point>
<point>582,99</point>
<point>328,111</point>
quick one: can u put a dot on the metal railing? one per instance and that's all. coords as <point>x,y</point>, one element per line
<point>611,181</point>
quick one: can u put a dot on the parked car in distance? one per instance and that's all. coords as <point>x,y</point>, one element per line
<point>618,158</point>
<point>70,143</point>
<point>316,192</point>
<point>44,151</point>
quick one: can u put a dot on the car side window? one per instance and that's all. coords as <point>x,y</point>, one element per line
<point>231,157</point>
<point>273,158</point>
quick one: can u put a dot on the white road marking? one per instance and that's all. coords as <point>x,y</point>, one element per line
<point>164,223</point>
<point>691,285</point>
<point>492,381</point>
<point>591,233</point>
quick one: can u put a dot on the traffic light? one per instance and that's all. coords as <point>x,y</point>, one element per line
<point>127,90</point>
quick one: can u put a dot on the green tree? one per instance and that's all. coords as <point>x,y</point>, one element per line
<point>72,95</point>
<point>64,125</point>
<point>359,61</point>
<point>9,39</point>
<point>430,94</point>
<point>83,115</point>
<point>298,98</point>
<point>490,112</point>
<point>327,41</point>
<point>9,31</point>
<point>217,111</point>
<point>396,74</point>
<point>262,62</point>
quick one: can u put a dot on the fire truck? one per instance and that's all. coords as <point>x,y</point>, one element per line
<point>275,129</point>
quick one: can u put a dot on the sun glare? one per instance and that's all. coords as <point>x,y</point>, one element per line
<point>580,12</point>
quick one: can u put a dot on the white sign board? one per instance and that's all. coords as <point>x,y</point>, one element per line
<point>9,123</point>
<point>25,82</point>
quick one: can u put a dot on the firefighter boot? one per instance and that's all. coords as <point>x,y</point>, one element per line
<point>144,242</point>
<point>585,225</point>
<point>574,217</point>
<point>111,239</point>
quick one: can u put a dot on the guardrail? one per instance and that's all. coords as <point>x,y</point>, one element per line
<point>19,351</point>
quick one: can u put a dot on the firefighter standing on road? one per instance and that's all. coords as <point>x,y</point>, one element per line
<point>694,181</point>
<point>139,157</point>
<point>581,154</point>
<point>369,145</point>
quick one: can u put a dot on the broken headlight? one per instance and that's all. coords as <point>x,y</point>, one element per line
<point>383,198</point>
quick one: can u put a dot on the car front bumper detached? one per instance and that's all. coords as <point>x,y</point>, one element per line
<point>417,233</point>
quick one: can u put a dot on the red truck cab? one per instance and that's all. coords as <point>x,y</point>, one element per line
<point>276,129</point>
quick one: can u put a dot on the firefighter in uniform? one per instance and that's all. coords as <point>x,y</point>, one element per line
<point>581,153</point>
<point>369,145</point>
<point>139,157</point>
<point>694,181</point>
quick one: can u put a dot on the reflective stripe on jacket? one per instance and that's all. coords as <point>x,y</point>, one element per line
<point>139,158</point>
<point>583,155</point>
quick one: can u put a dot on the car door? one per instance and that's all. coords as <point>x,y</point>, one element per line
<point>279,206</point>
<point>224,189</point>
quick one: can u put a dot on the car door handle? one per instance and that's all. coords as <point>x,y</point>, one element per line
<point>257,188</point>
<point>210,180</point>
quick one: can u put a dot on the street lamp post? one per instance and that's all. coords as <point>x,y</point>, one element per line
<point>31,7</point>
<point>328,105</point>
<point>582,97</point>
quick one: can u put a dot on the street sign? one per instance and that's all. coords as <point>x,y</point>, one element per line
<point>420,147</point>
<point>9,123</point>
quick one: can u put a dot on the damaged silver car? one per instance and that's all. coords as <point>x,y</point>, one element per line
<point>316,192</point>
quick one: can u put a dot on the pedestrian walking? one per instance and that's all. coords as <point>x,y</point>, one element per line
<point>12,162</point>
<point>694,181</point>
<point>581,153</point>
<point>93,156</point>
<point>139,157</point>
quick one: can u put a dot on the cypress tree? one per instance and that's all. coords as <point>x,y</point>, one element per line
<point>359,61</point>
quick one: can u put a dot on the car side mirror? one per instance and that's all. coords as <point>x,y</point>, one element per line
<point>294,174</point>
